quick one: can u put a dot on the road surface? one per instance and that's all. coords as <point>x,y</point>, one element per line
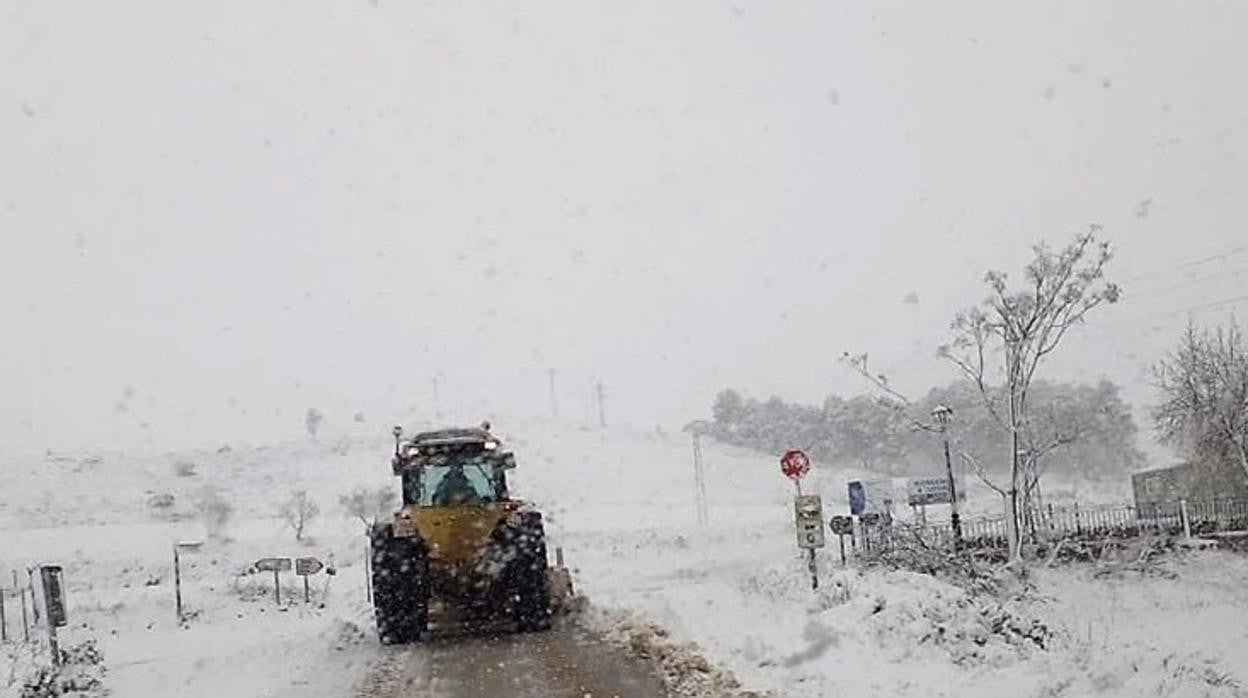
<point>565,662</point>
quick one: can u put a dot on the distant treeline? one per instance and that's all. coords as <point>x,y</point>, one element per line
<point>881,435</point>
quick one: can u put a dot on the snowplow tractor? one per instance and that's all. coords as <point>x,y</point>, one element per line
<point>460,544</point>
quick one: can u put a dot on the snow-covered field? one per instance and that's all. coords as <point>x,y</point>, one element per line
<point>621,504</point>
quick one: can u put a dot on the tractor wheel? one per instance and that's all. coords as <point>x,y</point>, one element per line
<point>400,587</point>
<point>526,576</point>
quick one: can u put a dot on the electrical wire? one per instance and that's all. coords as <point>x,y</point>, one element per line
<point>1191,263</point>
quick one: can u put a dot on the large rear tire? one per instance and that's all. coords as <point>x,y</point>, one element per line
<point>526,584</point>
<point>400,586</point>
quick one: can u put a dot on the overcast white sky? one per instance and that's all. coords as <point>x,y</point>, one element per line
<point>216,215</point>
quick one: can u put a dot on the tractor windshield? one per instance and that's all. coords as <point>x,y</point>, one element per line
<point>455,480</point>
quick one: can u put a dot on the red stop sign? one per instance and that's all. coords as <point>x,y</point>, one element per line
<point>794,464</point>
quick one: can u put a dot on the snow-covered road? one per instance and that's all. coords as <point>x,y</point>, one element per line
<point>565,662</point>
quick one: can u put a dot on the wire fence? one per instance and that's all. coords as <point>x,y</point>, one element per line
<point>1198,517</point>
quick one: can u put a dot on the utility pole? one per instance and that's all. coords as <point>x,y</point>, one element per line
<point>554,400</point>
<point>437,400</point>
<point>699,477</point>
<point>600,391</point>
<point>943,413</point>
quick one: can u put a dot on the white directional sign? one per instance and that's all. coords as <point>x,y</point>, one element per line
<point>307,565</point>
<point>808,514</point>
<point>932,490</point>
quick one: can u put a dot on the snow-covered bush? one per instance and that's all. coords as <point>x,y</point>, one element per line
<point>81,672</point>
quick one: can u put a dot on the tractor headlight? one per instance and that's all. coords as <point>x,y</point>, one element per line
<point>491,445</point>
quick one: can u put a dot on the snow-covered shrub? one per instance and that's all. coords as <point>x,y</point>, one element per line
<point>81,672</point>
<point>161,503</point>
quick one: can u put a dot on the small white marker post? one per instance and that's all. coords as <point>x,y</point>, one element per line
<point>1187,523</point>
<point>177,573</point>
<point>21,591</point>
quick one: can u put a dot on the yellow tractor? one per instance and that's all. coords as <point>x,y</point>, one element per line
<point>460,539</point>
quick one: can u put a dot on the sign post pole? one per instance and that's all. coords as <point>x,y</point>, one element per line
<point>30,582</point>
<point>25,620</point>
<point>4,624</point>
<point>177,582</point>
<point>276,565</point>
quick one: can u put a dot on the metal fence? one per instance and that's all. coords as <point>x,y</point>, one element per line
<point>1200,517</point>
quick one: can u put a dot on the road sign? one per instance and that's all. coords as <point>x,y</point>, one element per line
<point>273,564</point>
<point>53,595</point>
<point>308,565</point>
<point>842,525</point>
<point>794,464</point>
<point>808,510</point>
<point>931,490</point>
<point>54,601</point>
<point>870,496</point>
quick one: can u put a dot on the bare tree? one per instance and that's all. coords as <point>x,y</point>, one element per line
<point>214,510</point>
<point>1204,387</point>
<point>312,421</point>
<point>369,505</point>
<point>298,511</point>
<point>1024,327</point>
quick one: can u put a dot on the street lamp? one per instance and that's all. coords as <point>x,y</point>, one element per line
<point>942,414</point>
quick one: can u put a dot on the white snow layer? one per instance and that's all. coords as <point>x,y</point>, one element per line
<point>621,505</point>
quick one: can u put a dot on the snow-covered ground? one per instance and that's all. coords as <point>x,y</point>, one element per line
<point>621,504</point>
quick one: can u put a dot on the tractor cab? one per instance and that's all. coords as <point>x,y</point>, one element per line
<point>452,467</point>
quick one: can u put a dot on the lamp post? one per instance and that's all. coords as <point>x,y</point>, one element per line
<point>942,414</point>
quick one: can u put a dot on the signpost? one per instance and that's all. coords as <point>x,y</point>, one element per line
<point>807,509</point>
<point>842,526</point>
<point>276,565</point>
<point>54,601</point>
<point>304,567</point>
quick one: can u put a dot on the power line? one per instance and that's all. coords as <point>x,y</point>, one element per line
<point>1113,324</point>
<point>1193,281</point>
<point>1192,263</point>
<point>1207,306</point>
